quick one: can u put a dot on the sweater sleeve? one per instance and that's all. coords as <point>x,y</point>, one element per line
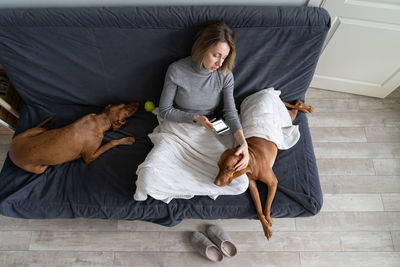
<point>167,110</point>
<point>230,112</point>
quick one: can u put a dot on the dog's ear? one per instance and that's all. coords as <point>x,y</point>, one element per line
<point>117,124</point>
<point>107,108</point>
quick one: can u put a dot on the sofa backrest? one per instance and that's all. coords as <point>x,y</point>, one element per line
<point>97,56</point>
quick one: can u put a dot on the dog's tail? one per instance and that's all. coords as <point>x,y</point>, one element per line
<point>300,106</point>
<point>44,122</point>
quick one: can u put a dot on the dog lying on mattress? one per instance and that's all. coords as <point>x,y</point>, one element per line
<point>37,148</point>
<point>267,126</point>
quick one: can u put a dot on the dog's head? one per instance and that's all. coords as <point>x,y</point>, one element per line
<point>117,114</point>
<point>226,165</point>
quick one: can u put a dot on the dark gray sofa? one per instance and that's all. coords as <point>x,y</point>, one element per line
<point>71,62</point>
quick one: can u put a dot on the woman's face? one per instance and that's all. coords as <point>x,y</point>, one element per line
<point>215,56</point>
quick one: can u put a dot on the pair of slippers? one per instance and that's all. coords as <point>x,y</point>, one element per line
<point>216,245</point>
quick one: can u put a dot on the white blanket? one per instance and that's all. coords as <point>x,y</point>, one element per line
<point>183,163</point>
<point>263,114</point>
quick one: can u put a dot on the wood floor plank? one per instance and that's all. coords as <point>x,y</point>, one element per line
<point>345,184</point>
<point>357,150</point>
<point>366,241</point>
<point>345,167</point>
<point>350,221</point>
<point>396,240</point>
<point>338,134</point>
<point>378,104</point>
<point>184,259</point>
<point>352,202</point>
<point>14,240</point>
<point>78,224</point>
<point>350,259</point>
<point>383,134</point>
<point>334,105</point>
<point>391,122</point>
<point>55,258</point>
<point>95,241</point>
<point>180,241</point>
<point>387,166</point>
<point>9,223</point>
<point>281,224</point>
<point>324,94</point>
<point>315,241</point>
<point>391,202</point>
<point>354,119</point>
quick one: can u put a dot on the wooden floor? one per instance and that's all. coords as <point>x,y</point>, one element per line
<point>357,145</point>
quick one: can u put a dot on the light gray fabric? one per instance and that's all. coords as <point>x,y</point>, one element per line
<point>206,247</point>
<point>189,90</point>
<point>222,240</point>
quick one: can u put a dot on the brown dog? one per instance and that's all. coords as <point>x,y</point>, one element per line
<point>37,148</point>
<point>262,157</point>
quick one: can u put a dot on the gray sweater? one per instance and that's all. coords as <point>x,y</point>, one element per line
<point>189,90</point>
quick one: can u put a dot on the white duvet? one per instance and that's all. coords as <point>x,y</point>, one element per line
<point>264,115</point>
<point>183,163</point>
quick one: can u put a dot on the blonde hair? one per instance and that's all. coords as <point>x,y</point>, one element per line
<point>212,34</point>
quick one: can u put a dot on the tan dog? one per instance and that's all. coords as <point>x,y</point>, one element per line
<point>37,148</point>
<point>262,157</point>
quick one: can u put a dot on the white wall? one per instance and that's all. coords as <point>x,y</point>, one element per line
<point>81,3</point>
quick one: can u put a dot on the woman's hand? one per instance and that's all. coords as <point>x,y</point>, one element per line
<point>202,120</point>
<point>243,150</point>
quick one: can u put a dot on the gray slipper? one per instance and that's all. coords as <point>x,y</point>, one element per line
<point>206,248</point>
<point>222,240</point>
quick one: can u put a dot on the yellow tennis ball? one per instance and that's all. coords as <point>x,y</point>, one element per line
<point>149,106</point>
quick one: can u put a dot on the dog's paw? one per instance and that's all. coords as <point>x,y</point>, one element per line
<point>269,220</point>
<point>268,232</point>
<point>303,107</point>
<point>127,140</point>
<point>266,227</point>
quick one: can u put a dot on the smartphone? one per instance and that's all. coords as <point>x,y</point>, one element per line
<point>220,126</point>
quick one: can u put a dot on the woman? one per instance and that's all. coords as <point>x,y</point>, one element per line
<point>194,85</point>
<point>184,157</point>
